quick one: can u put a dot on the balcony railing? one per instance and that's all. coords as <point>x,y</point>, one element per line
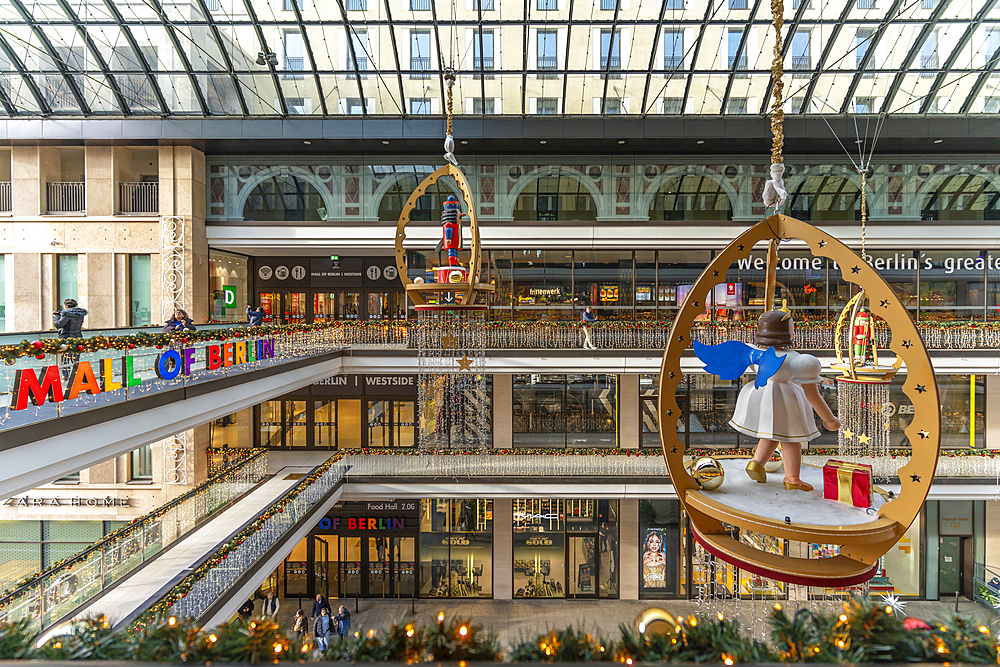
<point>357,5</point>
<point>420,5</point>
<point>545,63</point>
<point>136,198</point>
<point>55,593</point>
<point>929,62</point>
<point>613,63</point>
<point>362,65</point>
<point>65,198</point>
<point>419,65</point>
<point>138,92</point>
<point>5,197</point>
<point>294,64</point>
<point>483,65</point>
<point>673,62</point>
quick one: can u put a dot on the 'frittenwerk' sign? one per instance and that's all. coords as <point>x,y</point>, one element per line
<point>118,373</point>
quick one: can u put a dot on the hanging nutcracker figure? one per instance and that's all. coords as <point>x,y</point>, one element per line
<point>451,238</point>
<point>861,334</point>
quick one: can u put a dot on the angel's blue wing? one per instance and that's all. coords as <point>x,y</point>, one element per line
<point>731,359</point>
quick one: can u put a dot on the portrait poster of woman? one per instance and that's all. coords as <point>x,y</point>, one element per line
<point>654,562</point>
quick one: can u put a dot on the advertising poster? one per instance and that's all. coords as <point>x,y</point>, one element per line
<point>654,562</point>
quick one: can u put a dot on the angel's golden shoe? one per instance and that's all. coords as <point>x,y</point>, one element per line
<point>756,472</point>
<point>798,487</point>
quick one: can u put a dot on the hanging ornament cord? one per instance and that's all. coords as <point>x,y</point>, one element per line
<point>449,139</point>
<point>774,189</point>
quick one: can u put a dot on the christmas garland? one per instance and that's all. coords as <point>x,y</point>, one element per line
<point>863,631</point>
<point>646,451</point>
<point>52,346</point>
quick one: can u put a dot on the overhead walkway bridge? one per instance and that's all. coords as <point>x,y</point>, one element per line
<point>204,554</point>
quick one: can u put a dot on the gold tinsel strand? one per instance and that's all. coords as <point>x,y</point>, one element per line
<point>777,69</point>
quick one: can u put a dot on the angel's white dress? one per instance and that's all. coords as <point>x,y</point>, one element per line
<point>779,410</point>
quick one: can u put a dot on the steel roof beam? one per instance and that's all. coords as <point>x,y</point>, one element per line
<point>43,105</point>
<point>569,40</point>
<point>172,36</point>
<point>988,69</point>
<point>652,57</point>
<point>939,80</point>
<point>904,67</point>
<point>440,56</point>
<point>869,54</point>
<point>312,59</point>
<point>96,55</point>
<point>697,47</point>
<point>227,61</point>
<point>736,61</point>
<point>130,38</point>
<point>607,65</point>
<point>395,54</point>
<point>282,106</point>
<point>827,49</point>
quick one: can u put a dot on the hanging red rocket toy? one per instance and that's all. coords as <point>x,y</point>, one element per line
<point>451,236</point>
<point>862,335</point>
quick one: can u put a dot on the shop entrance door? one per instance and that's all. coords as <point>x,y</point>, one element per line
<point>350,566</point>
<point>284,307</point>
<point>950,570</point>
<point>391,566</point>
<point>321,561</point>
<point>582,567</point>
<point>391,423</point>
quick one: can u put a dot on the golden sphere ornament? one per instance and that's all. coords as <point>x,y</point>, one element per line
<point>656,621</point>
<point>708,473</point>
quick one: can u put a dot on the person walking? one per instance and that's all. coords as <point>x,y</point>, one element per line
<point>271,606</point>
<point>321,629</point>
<point>179,322</point>
<point>69,322</point>
<point>588,317</point>
<point>255,318</point>
<point>343,620</point>
<point>300,624</point>
<point>320,604</point>
<point>246,611</point>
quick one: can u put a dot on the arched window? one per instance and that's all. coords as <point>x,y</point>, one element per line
<point>555,197</point>
<point>428,205</point>
<point>826,197</point>
<point>691,197</point>
<point>962,197</point>
<point>284,197</point>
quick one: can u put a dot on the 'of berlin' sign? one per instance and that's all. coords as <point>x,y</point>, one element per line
<point>169,364</point>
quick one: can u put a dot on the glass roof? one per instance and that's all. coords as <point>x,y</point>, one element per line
<point>513,57</point>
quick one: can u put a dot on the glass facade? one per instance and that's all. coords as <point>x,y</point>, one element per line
<point>565,548</point>
<point>456,548</point>
<point>140,290</point>
<point>27,547</point>
<point>234,430</point>
<point>229,285</point>
<point>141,464</point>
<point>554,410</point>
<point>67,279</point>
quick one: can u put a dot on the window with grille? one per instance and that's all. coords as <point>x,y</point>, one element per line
<point>483,5</point>
<point>608,5</point>
<point>482,49</point>
<point>359,40</point>
<point>547,5</point>
<point>613,106</point>
<point>797,3</point>
<point>420,53</point>
<point>673,105</point>
<point>420,5</point>
<point>991,105</point>
<point>287,5</point>
<point>141,464</point>
<point>611,50</point>
<point>546,41</point>
<point>481,106</point>
<point>420,106</point>
<point>736,105</point>
<point>795,104</point>
<point>357,5</point>
<point>213,5</point>
<point>800,50</point>
<point>864,105</point>
<point>673,49</point>
<point>547,105</point>
<point>295,54</point>
<point>353,106</point>
<point>866,4</point>
<point>737,4</point>
<point>929,54</point>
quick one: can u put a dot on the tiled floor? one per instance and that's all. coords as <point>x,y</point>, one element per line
<point>514,620</point>
<point>120,601</point>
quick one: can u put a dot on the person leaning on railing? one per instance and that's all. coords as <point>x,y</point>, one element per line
<point>179,322</point>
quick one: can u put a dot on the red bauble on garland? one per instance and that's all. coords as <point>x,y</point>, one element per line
<point>37,344</point>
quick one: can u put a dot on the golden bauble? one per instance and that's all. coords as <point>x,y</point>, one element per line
<point>656,621</point>
<point>708,473</point>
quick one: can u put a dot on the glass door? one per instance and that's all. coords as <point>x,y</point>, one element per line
<point>949,566</point>
<point>271,303</point>
<point>297,571</point>
<point>379,568</point>
<point>284,307</point>
<point>348,305</point>
<point>296,417</point>
<point>378,427</point>
<point>350,567</point>
<point>324,306</point>
<point>294,308</point>
<point>271,424</point>
<point>404,423</point>
<point>404,558</point>
<point>325,424</point>
<point>582,567</point>
<point>321,560</point>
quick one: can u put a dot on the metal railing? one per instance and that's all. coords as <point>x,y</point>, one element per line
<point>547,63</point>
<point>294,65</point>
<point>673,61</point>
<point>60,590</point>
<point>5,205</point>
<point>138,91</point>
<point>65,198</point>
<point>986,587</point>
<point>139,197</point>
<point>737,4</point>
<point>209,584</point>
<point>420,5</point>
<point>420,65</point>
<point>357,5</point>
<point>929,62</point>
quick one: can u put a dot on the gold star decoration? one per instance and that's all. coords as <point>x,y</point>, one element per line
<point>848,434</point>
<point>448,341</point>
<point>465,363</point>
<point>863,439</point>
<point>423,423</point>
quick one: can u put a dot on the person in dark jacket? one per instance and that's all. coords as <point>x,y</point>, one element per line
<point>319,605</point>
<point>255,317</point>
<point>246,611</point>
<point>343,623</point>
<point>69,321</point>
<point>321,629</point>
<point>179,322</point>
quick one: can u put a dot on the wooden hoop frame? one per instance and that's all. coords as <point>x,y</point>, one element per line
<point>465,290</point>
<point>861,546</point>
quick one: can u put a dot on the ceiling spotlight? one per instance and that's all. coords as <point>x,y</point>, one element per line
<point>543,141</point>
<point>307,143</point>
<point>621,141</point>
<point>937,141</point>
<point>386,143</point>
<point>268,58</point>
<point>464,141</point>
<point>700,141</point>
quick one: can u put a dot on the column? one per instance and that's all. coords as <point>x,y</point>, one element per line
<point>628,549</point>
<point>97,288</point>
<point>23,283</point>
<point>503,411</point>
<point>182,194</point>
<point>99,181</point>
<point>628,410</point>
<point>503,548</point>
<point>31,168</point>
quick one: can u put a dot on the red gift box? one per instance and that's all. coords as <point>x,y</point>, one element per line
<point>849,483</point>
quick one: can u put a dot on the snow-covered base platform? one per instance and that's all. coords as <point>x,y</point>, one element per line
<point>772,501</point>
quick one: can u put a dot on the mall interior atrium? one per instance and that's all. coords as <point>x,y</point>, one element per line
<point>429,305</point>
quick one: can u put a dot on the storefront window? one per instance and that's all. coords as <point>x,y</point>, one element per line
<point>499,262</point>
<point>456,548</point>
<point>558,410</point>
<point>543,284</point>
<point>952,286</point>
<point>140,290</point>
<point>691,197</point>
<point>565,548</point>
<point>800,280</point>
<point>659,548</point>
<point>645,284</point>
<point>899,568</point>
<point>603,279</point>
<point>233,430</point>
<point>555,197</point>
<point>678,270</point>
<point>229,286</point>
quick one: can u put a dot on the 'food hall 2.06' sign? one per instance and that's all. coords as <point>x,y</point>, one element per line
<point>118,373</point>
